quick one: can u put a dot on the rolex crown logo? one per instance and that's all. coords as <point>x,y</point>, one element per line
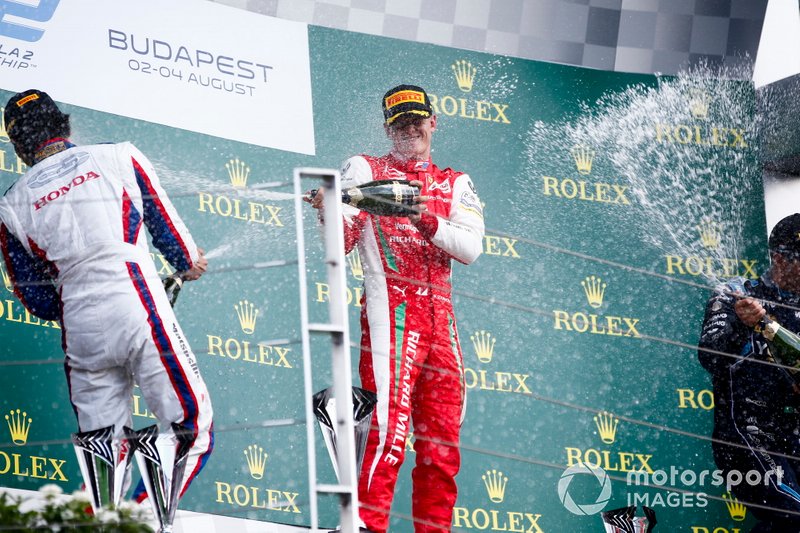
<point>238,172</point>
<point>583,156</point>
<point>6,278</point>
<point>3,131</point>
<point>736,509</point>
<point>495,485</point>
<point>18,424</point>
<point>354,260</point>
<point>484,345</point>
<point>607,426</point>
<point>247,314</point>
<point>709,233</point>
<point>464,73</point>
<point>256,460</point>
<point>698,103</point>
<point>595,289</point>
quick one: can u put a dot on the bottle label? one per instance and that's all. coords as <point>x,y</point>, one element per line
<point>397,190</point>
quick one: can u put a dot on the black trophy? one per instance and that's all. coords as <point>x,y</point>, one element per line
<point>105,464</point>
<point>325,410</point>
<point>624,520</point>
<point>162,460</point>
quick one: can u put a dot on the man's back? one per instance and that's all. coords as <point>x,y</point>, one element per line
<point>80,213</point>
<point>83,207</point>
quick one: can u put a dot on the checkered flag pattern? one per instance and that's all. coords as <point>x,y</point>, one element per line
<point>644,36</point>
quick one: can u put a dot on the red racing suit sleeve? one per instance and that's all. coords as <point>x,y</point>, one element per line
<point>460,235</point>
<point>30,277</point>
<point>168,232</point>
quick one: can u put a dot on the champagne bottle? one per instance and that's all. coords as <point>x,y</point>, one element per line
<point>392,198</point>
<point>784,345</point>
<point>172,286</point>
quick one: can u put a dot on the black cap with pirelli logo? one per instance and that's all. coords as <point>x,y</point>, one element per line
<point>28,106</point>
<point>405,99</point>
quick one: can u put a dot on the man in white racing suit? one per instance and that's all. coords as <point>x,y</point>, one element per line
<point>74,247</point>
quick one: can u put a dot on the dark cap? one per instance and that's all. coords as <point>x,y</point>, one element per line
<point>785,236</point>
<point>405,99</point>
<point>30,105</point>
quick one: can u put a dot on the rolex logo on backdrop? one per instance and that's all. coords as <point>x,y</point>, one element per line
<point>354,261</point>
<point>606,426</point>
<point>583,156</point>
<point>19,464</point>
<point>247,314</point>
<point>697,129</point>
<point>465,74</point>
<point>698,103</point>
<point>244,350</point>
<point>710,234</point>
<point>495,485</point>
<point>494,516</point>
<point>737,510</point>
<point>18,425</point>
<point>609,460</point>
<point>492,380</point>
<point>238,172</point>
<point>708,262</point>
<point>579,187</point>
<point>483,342</point>
<point>256,460</point>
<point>464,104</point>
<point>594,291</point>
<point>239,207</point>
<point>252,491</point>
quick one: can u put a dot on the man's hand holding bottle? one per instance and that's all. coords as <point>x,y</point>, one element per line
<point>198,269</point>
<point>750,311</point>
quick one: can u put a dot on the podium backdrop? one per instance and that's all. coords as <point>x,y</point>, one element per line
<point>613,203</point>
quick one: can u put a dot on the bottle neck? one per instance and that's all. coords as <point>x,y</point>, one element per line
<point>769,328</point>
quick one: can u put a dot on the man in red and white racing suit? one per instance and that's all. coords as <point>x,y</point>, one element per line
<point>73,243</point>
<point>410,353</point>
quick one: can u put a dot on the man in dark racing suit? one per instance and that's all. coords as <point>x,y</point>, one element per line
<point>757,401</point>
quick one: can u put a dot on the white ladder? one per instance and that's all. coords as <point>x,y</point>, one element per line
<point>339,330</point>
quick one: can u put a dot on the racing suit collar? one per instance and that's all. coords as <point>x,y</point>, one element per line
<point>410,165</point>
<point>51,147</point>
